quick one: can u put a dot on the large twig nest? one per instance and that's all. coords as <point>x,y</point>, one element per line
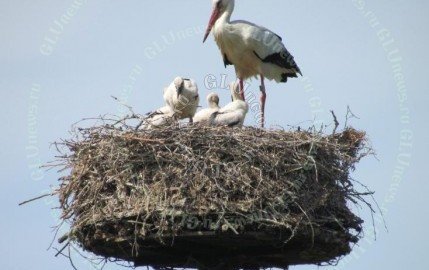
<point>202,197</point>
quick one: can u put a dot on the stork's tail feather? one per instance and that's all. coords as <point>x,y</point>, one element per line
<point>285,76</point>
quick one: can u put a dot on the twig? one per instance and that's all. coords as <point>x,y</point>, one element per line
<point>124,104</point>
<point>335,121</point>
<point>71,260</point>
<point>35,199</point>
<point>62,249</point>
<point>349,116</point>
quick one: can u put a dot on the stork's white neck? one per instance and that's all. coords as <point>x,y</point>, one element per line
<point>235,92</point>
<point>226,15</point>
<point>213,105</point>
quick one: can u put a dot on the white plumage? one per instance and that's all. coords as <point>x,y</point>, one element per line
<point>182,97</point>
<point>233,114</point>
<point>253,50</point>
<point>204,115</point>
<point>161,117</point>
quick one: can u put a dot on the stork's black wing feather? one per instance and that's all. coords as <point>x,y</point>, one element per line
<point>226,61</point>
<point>282,59</point>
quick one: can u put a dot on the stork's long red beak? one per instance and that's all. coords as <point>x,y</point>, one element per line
<point>213,19</point>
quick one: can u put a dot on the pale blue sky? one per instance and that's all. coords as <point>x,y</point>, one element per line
<point>93,55</point>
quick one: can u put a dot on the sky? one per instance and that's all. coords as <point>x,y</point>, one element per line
<point>61,61</point>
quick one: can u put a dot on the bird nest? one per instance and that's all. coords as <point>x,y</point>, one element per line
<point>206,197</point>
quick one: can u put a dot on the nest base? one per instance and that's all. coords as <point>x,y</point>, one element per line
<point>250,249</point>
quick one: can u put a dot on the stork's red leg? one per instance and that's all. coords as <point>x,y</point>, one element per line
<point>263,99</point>
<point>242,89</point>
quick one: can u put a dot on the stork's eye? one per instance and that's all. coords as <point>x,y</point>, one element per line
<point>196,97</point>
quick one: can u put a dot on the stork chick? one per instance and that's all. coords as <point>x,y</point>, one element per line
<point>182,97</point>
<point>161,117</point>
<point>233,114</point>
<point>213,106</point>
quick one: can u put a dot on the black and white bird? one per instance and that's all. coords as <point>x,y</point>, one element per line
<point>205,114</point>
<point>253,50</point>
<point>234,113</point>
<point>182,97</point>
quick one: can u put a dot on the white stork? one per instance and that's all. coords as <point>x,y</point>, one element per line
<point>233,114</point>
<point>182,97</point>
<point>253,50</point>
<point>213,106</point>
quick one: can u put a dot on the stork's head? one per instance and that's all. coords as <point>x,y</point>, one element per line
<point>213,100</point>
<point>219,8</point>
<point>186,87</point>
<point>179,84</point>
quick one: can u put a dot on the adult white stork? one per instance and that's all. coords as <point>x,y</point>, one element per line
<point>182,96</point>
<point>234,113</point>
<point>213,106</point>
<point>253,50</point>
